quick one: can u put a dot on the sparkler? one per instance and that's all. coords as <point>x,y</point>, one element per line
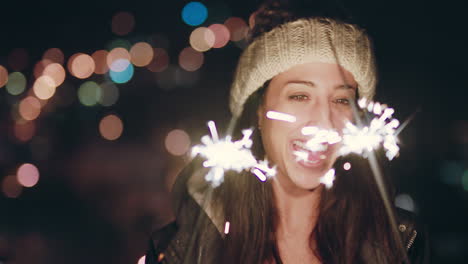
<point>224,154</point>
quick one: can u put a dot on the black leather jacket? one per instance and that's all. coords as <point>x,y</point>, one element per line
<point>195,238</point>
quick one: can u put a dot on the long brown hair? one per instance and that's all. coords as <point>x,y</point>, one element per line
<point>352,225</point>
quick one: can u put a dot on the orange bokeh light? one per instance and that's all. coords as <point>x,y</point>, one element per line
<point>177,142</point>
<point>44,87</point>
<point>160,60</point>
<point>24,131</point>
<point>222,35</point>
<point>29,108</point>
<point>111,127</point>
<point>141,54</point>
<point>118,59</point>
<point>10,187</point>
<point>40,67</point>
<point>27,175</point>
<point>202,39</point>
<point>190,59</point>
<point>3,76</point>
<point>56,72</point>
<point>237,27</point>
<point>54,55</point>
<point>100,60</point>
<point>81,65</point>
<point>122,23</point>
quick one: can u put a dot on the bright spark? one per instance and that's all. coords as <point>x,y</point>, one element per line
<point>320,137</point>
<point>328,178</point>
<point>226,227</point>
<point>224,154</point>
<point>281,116</point>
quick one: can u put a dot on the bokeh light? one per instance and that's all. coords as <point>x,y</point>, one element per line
<point>16,83</point>
<point>29,108</point>
<point>24,131</point>
<point>54,55</point>
<point>27,175</point>
<point>81,65</point>
<point>11,187</point>
<point>194,13</point>
<point>190,59</point>
<point>118,59</point>
<point>44,87</point>
<point>56,72</point>
<point>40,67</point>
<point>109,95</point>
<point>100,60</point>
<point>202,39</point>
<point>405,201</point>
<point>18,59</point>
<point>3,76</point>
<point>89,93</point>
<point>237,27</point>
<point>177,142</point>
<point>160,60</point>
<point>122,23</point>
<point>111,127</point>
<point>222,35</point>
<point>141,54</point>
<point>123,76</point>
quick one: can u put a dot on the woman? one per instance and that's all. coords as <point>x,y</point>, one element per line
<point>313,68</point>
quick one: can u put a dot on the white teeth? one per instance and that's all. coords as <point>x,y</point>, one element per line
<point>315,147</point>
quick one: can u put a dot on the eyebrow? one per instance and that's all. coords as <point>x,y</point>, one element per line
<point>312,84</point>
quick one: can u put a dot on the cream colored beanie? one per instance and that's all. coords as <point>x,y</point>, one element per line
<point>303,41</point>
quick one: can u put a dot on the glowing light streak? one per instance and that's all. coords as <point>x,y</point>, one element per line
<point>328,178</point>
<point>281,116</point>
<point>320,137</point>
<point>226,227</point>
<point>260,175</point>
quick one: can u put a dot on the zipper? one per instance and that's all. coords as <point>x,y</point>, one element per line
<point>412,238</point>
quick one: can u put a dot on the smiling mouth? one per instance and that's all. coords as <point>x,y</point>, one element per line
<point>307,157</point>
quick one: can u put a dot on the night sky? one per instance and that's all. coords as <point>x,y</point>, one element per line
<point>97,200</point>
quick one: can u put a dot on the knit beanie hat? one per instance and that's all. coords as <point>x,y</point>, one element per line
<point>303,41</point>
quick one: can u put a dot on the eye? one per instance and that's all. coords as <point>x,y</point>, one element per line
<point>298,97</point>
<point>343,101</point>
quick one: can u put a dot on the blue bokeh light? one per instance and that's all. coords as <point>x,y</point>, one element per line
<point>194,13</point>
<point>123,76</point>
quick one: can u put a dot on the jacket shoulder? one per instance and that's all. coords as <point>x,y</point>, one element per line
<point>414,236</point>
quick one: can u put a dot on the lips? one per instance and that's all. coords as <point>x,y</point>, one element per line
<point>307,157</point>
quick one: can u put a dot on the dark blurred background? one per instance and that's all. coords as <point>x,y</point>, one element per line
<point>85,174</point>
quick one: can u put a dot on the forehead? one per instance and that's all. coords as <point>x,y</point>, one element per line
<point>316,73</point>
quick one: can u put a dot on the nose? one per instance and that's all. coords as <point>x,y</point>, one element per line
<point>321,115</point>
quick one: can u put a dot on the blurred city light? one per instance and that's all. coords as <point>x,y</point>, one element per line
<point>109,94</point>
<point>3,76</point>
<point>118,59</point>
<point>190,59</point>
<point>160,60</point>
<point>44,87</point>
<point>405,201</point>
<point>56,72</point>
<point>81,65</point>
<point>16,83</point>
<point>11,187</point>
<point>27,175</point>
<point>222,35</point>
<point>100,60</point>
<point>237,28</point>
<point>194,13</point>
<point>29,108</point>
<point>122,23</point>
<point>177,142</point>
<point>111,127</point>
<point>122,76</point>
<point>54,55</point>
<point>24,131</point>
<point>141,54</point>
<point>202,39</point>
<point>89,93</point>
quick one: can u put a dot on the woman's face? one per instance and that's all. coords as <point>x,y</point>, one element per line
<point>317,95</point>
